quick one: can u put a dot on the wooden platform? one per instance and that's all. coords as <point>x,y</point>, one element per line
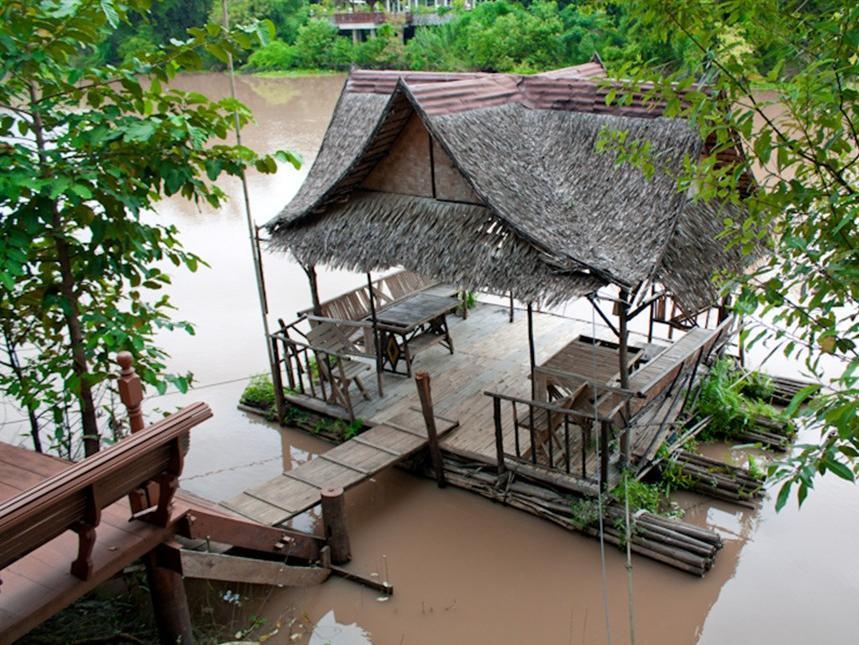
<point>344,466</point>
<point>491,354</point>
<point>39,584</point>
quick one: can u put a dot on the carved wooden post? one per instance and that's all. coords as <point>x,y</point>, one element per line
<point>422,380</point>
<point>334,523</point>
<point>131,395</point>
<point>130,391</point>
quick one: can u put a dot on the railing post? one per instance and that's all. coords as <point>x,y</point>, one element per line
<point>499,436</point>
<point>131,395</point>
<point>604,434</point>
<point>277,380</point>
<point>422,380</point>
<point>130,391</point>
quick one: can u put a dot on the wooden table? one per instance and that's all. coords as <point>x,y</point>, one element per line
<point>577,363</point>
<point>411,325</point>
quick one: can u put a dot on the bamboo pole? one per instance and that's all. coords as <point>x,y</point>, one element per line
<point>252,236</point>
<point>531,353</point>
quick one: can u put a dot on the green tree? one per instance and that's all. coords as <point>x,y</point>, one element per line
<point>314,44</point>
<point>87,152</point>
<point>783,80</point>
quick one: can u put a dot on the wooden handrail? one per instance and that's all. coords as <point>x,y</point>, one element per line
<point>548,371</point>
<point>73,499</point>
<point>547,406</point>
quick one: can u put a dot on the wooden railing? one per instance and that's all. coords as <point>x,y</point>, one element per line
<point>300,364</point>
<point>539,424</point>
<point>74,498</point>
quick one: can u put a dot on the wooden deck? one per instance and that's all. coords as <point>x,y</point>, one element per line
<point>491,354</point>
<point>344,466</point>
<point>40,584</point>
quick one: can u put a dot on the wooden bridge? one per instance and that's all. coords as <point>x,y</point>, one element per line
<point>342,467</point>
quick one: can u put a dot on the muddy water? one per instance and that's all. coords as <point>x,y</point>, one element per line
<point>467,570</point>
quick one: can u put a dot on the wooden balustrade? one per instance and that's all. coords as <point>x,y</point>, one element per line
<point>543,422</point>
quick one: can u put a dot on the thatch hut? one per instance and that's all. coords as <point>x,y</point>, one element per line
<point>492,182</point>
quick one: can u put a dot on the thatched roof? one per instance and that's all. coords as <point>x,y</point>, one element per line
<point>550,218</point>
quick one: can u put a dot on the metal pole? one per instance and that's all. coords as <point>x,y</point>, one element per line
<point>250,221</point>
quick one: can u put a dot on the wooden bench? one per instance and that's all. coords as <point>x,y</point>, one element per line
<point>355,304</point>
<point>74,498</point>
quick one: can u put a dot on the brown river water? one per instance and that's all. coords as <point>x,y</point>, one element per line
<point>465,570</point>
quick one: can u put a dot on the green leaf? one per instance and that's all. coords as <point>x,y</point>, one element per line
<point>783,495</point>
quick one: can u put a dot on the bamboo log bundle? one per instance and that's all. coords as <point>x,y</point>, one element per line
<point>786,389</point>
<point>679,544</point>
<point>718,479</point>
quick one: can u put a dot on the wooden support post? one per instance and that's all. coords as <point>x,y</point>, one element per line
<point>604,435</point>
<point>422,380</point>
<point>531,352</point>
<point>277,380</point>
<point>623,355</point>
<point>464,304</point>
<point>169,602</point>
<point>310,270</point>
<point>499,435</point>
<point>376,342</point>
<point>511,306</point>
<point>334,523</point>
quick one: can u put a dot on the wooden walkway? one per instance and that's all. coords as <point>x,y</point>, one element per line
<point>344,466</point>
<point>39,584</point>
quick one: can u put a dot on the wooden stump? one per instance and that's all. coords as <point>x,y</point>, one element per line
<point>334,522</point>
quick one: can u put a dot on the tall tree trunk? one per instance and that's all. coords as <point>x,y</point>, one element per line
<point>71,312</point>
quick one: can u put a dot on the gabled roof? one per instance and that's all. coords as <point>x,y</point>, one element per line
<point>557,219</point>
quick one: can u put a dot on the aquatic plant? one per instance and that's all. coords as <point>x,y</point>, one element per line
<point>642,496</point>
<point>731,411</point>
<point>259,392</point>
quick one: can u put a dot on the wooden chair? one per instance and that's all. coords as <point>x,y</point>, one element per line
<point>333,344</point>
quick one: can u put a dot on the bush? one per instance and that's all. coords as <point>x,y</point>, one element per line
<point>259,392</point>
<point>384,51</point>
<point>315,43</point>
<point>277,55</point>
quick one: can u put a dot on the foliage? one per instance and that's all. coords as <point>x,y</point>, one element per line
<point>757,385</point>
<point>384,51</point>
<point>314,44</point>
<point>642,495</point>
<point>731,411</point>
<point>259,392</point>
<point>584,512</point>
<point>287,16</point>
<point>275,55</point>
<point>88,149</point>
<point>801,137</point>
